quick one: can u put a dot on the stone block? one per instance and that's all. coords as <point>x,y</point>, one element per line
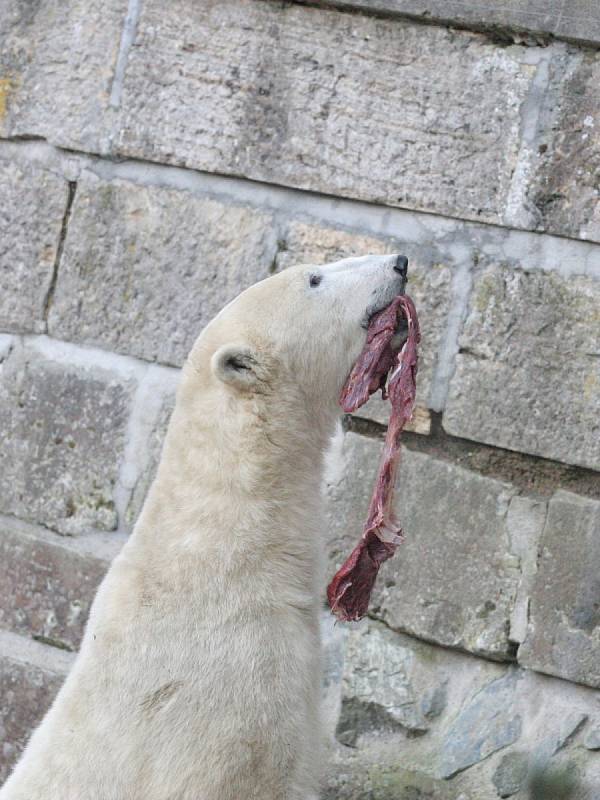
<point>429,285</point>
<point>527,374</point>
<point>564,191</point>
<point>145,477</point>
<point>62,432</point>
<point>46,584</point>
<point>505,19</point>
<point>455,577</point>
<point>57,68</point>
<point>487,724</point>
<point>563,636</point>
<point>421,717</point>
<point>266,91</point>
<point>160,263</point>
<point>32,206</point>
<point>30,676</point>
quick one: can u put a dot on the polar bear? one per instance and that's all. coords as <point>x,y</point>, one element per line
<point>199,673</point>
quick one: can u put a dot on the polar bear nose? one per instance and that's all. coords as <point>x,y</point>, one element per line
<point>401,265</point>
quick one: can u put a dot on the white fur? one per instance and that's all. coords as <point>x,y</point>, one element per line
<point>199,673</point>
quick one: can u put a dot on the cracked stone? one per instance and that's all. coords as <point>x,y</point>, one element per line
<point>486,725</point>
<point>32,205</point>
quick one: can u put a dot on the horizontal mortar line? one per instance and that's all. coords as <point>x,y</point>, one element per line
<point>456,450</point>
<point>98,545</point>
<point>23,650</point>
<point>508,662</point>
<point>85,356</point>
<point>74,355</point>
<point>356,215</point>
<point>496,31</point>
<point>503,659</point>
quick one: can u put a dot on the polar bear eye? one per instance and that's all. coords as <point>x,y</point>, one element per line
<point>314,280</point>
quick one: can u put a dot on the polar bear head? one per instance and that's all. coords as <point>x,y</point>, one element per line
<point>297,333</point>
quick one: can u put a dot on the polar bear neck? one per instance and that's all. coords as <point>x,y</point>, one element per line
<point>241,486</point>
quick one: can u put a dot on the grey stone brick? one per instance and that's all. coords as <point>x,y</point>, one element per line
<point>563,637</point>
<point>30,676</point>
<point>46,585</point>
<point>527,374</point>
<point>57,64</point>
<point>153,452</point>
<point>159,263</point>
<point>578,20</point>
<point>454,579</point>
<point>487,724</point>
<point>32,206</point>
<point>564,191</point>
<point>266,91</point>
<point>428,285</point>
<point>61,437</point>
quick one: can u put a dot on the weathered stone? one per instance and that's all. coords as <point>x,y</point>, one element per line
<point>528,374</point>
<point>351,777</point>
<point>30,676</point>
<point>264,90</point>
<point>511,773</point>
<point>57,64</point>
<point>61,437</point>
<point>591,740</point>
<point>454,578</point>
<point>154,445</point>
<point>525,523</point>
<point>32,206</point>
<point>505,19</point>
<point>378,692</point>
<point>160,263</point>
<point>564,191</point>
<point>568,729</point>
<point>428,285</point>
<point>46,584</point>
<point>486,725</point>
<point>564,626</point>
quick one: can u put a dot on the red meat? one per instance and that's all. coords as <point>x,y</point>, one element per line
<point>349,591</point>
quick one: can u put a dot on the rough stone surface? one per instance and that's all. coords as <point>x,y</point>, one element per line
<point>428,285</point>
<point>483,707</point>
<point>511,773</point>
<point>487,724</point>
<point>266,91</point>
<point>565,189</point>
<point>32,206</point>
<point>528,374</point>
<point>378,692</point>
<point>57,63</point>
<point>61,436</point>
<point>505,19</point>
<point>46,586</point>
<point>564,626</point>
<point>591,740</point>
<point>454,578</point>
<point>154,449</point>
<point>30,676</point>
<point>160,263</point>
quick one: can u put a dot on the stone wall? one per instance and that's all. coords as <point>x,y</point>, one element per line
<point>156,159</point>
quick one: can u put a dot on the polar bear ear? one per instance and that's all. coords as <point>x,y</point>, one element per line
<point>237,365</point>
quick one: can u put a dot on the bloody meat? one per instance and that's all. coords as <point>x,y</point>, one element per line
<point>350,589</point>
